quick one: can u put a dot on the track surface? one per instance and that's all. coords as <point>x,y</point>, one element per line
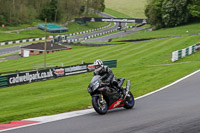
<point>175,109</point>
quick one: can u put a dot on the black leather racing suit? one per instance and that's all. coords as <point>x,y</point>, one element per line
<point>107,75</point>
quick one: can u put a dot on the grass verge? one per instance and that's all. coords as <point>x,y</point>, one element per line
<point>165,32</point>
<point>132,8</point>
<point>73,27</point>
<point>70,93</point>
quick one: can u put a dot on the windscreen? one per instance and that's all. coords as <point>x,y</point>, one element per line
<point>95,78</point>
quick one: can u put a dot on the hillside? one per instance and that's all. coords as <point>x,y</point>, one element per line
<point>132,8</point>
<point>147,64</point>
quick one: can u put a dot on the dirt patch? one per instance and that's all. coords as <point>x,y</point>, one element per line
<point>12,57</point>
<point>91,45</point>
<point>29,28</point>
<point>136,40</point>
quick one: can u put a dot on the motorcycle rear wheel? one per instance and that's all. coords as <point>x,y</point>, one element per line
<point>130,102</point>
<point>99,107</point>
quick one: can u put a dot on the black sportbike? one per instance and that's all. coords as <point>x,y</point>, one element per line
<point>105,97</point>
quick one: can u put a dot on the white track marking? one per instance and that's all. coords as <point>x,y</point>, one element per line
<point>46,119</point>
<point>168,85</point>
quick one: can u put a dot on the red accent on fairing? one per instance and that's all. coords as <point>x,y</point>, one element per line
<point>116,104</point>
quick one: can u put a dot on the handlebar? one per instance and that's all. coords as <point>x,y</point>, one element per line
<point>104,84</point>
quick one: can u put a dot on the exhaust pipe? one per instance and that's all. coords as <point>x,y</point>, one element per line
<point>128,86</point>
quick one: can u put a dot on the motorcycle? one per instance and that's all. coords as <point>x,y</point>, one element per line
<point>105,97</point>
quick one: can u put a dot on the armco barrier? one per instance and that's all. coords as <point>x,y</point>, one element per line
<point>176,55</point>
<point>45,74</point>
<point>51,37</point>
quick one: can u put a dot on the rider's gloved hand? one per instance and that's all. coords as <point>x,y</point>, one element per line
<point>107,81</point>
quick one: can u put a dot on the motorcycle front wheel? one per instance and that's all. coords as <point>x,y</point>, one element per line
<point>100,106</point>
<point>130,102</point>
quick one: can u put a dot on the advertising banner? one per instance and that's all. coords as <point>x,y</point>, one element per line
<point>120,20</point>
<point>76,69</point>
<point>45,74</point>
<point>29,77</point>
<point>69,70</point>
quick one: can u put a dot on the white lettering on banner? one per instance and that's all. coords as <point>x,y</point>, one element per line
<point>75,68</point>
<point>118,20</point>
<point>30,77</point>
<point>78,72</point>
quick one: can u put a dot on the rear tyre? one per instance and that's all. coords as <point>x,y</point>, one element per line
<point>130,102</point>
<point>99,107</point>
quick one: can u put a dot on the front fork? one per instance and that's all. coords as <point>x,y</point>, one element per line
<point>101,99</point>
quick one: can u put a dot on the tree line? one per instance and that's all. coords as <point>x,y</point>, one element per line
<point>14,12</point>
<point>170,13</point>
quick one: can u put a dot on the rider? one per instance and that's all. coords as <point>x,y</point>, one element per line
<point>106,74</point>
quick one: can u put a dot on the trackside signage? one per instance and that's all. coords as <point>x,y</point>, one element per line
<point>28,77</point>
<point>119,20</point>
<point>45,74</point>
<point>76,69</point>
<point>33,76</point>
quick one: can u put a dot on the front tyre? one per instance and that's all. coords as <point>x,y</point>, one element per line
<point>130,102</point>
<point>100,107</point>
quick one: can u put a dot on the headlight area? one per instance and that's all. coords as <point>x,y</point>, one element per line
<point>96,85</point>
<point>89,90</point>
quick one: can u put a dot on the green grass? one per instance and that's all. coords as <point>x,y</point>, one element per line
<point>22,26</point>
<point>132,8</point>
<point>73,27</point>
<point>116,13</point>
<point>70,93</point>
<point>166,32</point>
<point>2,56</point>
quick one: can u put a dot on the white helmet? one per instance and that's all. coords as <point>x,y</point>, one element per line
<point>98,65</point>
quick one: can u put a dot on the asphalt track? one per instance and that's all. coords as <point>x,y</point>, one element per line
<point>10,50</point>
<point>175,109</point>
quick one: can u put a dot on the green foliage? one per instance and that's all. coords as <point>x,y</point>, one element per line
<point>169,13</point>
<point>102,6</point>
<point>153,12</point>
<point>2,20</point>
<point>194,8</point>
<point>50,11</point>
<point>174,12</point>
<point>14,12</point>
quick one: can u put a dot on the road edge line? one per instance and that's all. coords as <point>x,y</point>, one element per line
<point>87,111</point>
<point>175,82</point>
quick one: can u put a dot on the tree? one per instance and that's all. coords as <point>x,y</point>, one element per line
<point>194,8</point>
<point>14,12</point>
<point>153,12</point>
<point>168,13</point>
<point>50,11</point>
<point>174,12</point>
